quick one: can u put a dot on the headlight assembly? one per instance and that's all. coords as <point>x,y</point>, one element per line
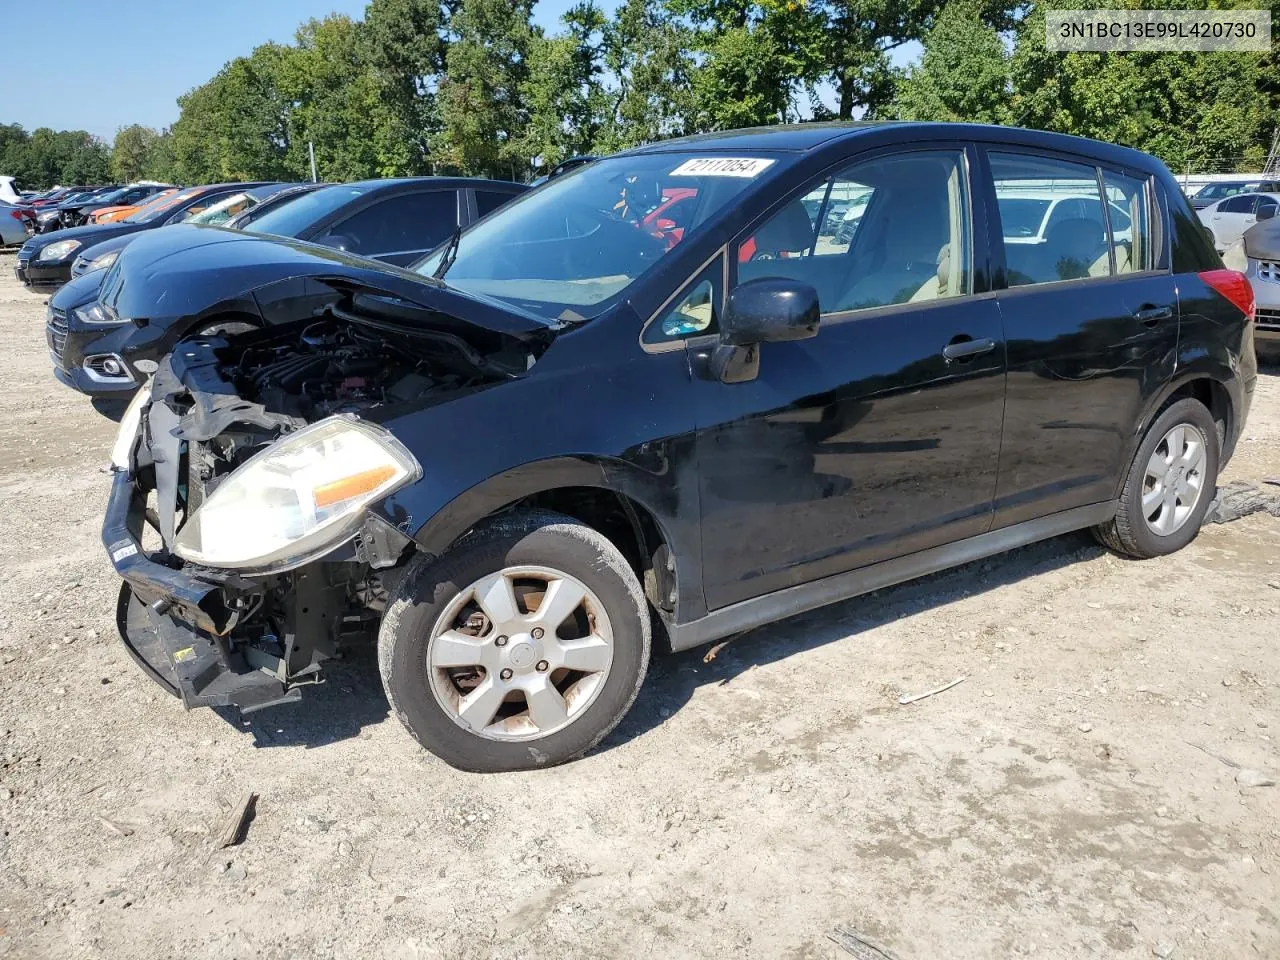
<point>93,313</point>
<point>297,499</point>
<point>56,251</point>
<point>104,261</point>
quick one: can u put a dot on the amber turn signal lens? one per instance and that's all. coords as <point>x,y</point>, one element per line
<point>327,494</point>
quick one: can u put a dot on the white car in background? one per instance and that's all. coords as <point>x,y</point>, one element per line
<point>9,192</point>
<point>1228,219</point>
<point>1028,218</point>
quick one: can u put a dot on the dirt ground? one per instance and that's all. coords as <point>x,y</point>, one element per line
<point>1064,801</point>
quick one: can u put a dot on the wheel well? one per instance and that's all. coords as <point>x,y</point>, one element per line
<point>231,316</point>
<point>1216,400</point>
<point>628,525</point>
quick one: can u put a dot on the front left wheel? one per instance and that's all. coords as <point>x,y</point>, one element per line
<point>521,647</point>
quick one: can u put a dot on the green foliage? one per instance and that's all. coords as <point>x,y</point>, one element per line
<point>131,152</point>
<point>45,157</point>
<point>963,74</point>
<point>483,116</point>
<point>1209,111</point>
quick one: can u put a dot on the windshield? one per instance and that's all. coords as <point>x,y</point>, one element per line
<point>111,196</point>
<point>225,209</point>
<point>162,208</point>
<point>1216,191</point>
<point>577,243</point>
<point>294,217</point>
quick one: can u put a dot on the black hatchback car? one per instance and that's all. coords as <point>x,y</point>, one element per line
<point>603,412</point>
<point>47,259</point>
<point>205,279</point>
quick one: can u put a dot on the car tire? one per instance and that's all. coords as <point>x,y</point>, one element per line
<point>432,599</point>
<point>1132,532</point>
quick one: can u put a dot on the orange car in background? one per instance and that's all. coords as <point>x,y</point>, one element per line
<point>112,214</point>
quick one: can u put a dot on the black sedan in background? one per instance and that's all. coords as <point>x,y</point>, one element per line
<point>103,354</point>
<point>230,211</point>
<point>47,259</point>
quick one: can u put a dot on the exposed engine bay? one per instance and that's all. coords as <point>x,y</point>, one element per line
<point>215,403</point>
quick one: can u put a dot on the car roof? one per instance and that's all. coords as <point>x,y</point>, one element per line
<point>805,137</point>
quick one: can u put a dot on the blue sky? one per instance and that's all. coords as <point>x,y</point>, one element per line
<point>135,81</point>
<point>120,83</point>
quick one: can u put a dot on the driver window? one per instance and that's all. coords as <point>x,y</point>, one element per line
<point>890,230</point>
<point>693,312</point>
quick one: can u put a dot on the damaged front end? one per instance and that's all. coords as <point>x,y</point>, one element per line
<point>238,516</point>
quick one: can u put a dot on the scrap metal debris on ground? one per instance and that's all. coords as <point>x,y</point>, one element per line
<point>857,945</point>
<point>1240,499</point>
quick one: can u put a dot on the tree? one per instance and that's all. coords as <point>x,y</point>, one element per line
<point>483,116</point>
<point>402,44</point>
<point>1211,111</point>
<point>237,125</point>
<point>647,56</point>
<point>131,152</point>
<point>563,92</point>
<point>962,76</point>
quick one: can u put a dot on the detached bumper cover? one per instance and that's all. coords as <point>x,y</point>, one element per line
<point>175,623</point>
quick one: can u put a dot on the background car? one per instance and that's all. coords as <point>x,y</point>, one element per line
<point>124,211</point>
<point>129,195</point>
<point>13,229</point>
<point>68,210</point>
<point>103,255</point>
<point>1257,256</point>
<point>1213,192</point>
<point>47,259</point>
<point>1228,219</point>
<point>209,271</point>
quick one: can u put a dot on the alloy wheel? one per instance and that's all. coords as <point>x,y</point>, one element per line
<point>1174,479</point>
<point>520,653</point>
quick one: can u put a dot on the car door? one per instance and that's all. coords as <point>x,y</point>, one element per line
<point>399,229</point>
<point>1090,320</point>
<point>880,436</point>
<point>1231,218</point>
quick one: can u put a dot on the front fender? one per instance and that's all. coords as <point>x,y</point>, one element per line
<point>675,518</point>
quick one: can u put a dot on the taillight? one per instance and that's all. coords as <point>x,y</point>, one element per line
<point>16,214</point>
<point>1233,285</point>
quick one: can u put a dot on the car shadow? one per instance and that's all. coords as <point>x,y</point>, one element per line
<point>673,678</point>
<point>349,701</point>
<point>352,699</point>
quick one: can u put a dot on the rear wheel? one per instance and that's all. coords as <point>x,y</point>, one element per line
<point>1170,484</point>
<point>521,647</point>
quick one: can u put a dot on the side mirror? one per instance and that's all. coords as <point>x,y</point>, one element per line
<point>768,310</point>
<point>1266,213</point>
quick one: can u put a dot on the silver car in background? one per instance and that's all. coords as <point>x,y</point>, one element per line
<point>13,231</point>
<point>1257,256</point>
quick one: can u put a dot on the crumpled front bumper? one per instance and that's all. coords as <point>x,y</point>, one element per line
<point>175,622</point>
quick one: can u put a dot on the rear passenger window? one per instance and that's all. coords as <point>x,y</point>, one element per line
<point>408,223</point>
<point>1240,203</point>
<point>1130,224</point>
<point>1051,218</point>
<point>488,201</point>
<point>885,231</point>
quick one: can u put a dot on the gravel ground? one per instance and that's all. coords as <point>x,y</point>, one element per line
<point>1075,797</point>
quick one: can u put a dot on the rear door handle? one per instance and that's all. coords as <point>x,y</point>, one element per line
<point>963,349</point>
<point>1153,315</point>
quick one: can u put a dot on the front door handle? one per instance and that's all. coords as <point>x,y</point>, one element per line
<point>1150,316</point>
<point>963,349</point>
